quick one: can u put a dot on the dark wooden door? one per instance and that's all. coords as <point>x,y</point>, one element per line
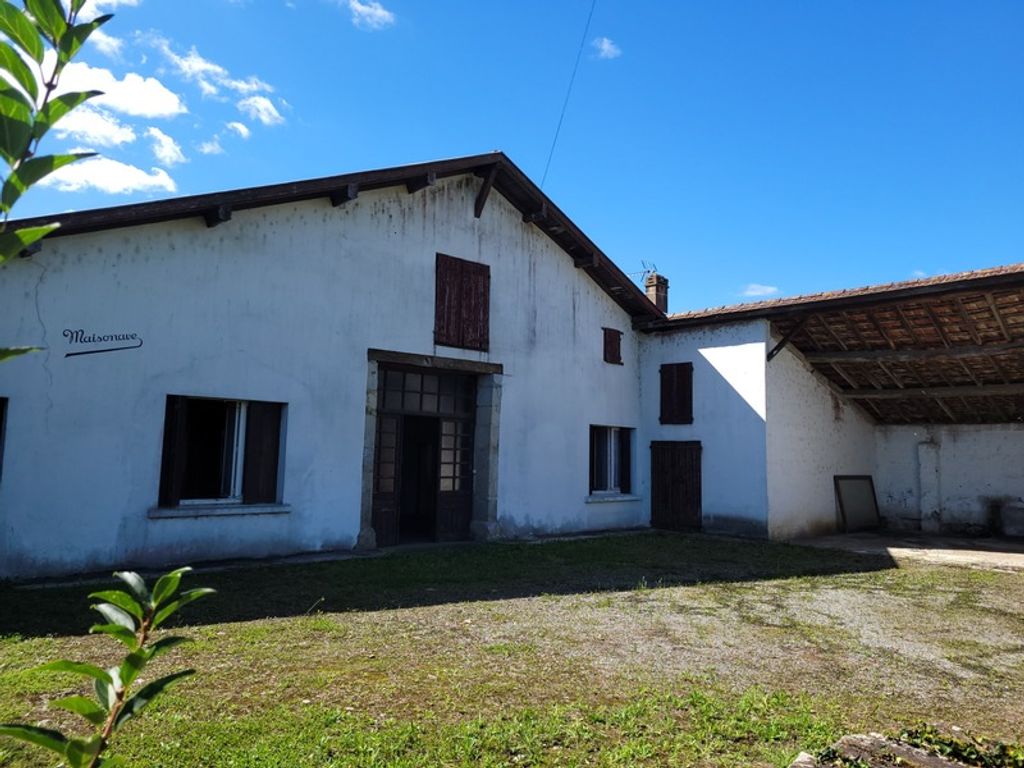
<point>675,485</point>
<point>455,495</point>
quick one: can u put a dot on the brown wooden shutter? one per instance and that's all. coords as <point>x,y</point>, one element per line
<point>447,301</point>
<point>594,436</point>
<point>677,393</point>
<point>625,461</point>
<point>476,305</point>
<point>612,346</point>
<point>172,467</point>
<point>3,431</point>
<point>262,453</point>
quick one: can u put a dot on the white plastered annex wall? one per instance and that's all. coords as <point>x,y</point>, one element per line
<point>812,436</point>
<point>281,304</point>
<point>948,477</point>
<point>728,418</point>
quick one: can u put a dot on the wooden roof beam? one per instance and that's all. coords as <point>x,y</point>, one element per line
<point>984,390</point>
<point>345,194</point>
<point>913,355</point>
<point>428,179</point>
<point>540,214</point>
<point>217,215</point>
<point>485,190</point>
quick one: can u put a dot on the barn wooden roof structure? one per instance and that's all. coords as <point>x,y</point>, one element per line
<point>944,350</point>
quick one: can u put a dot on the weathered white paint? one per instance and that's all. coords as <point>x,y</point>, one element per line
<point>282,304</point>
<point>728,418</point>
<point>949,478</point>
<point>813,435</point>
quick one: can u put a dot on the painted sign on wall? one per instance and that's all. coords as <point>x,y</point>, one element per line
<point>85,343</point>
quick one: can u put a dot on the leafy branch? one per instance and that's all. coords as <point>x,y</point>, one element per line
<point>29,108</point>
<point>131,617</point>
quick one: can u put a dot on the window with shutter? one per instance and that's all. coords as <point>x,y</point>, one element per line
<point>612,346</point>
<point>462,302</point>
<point>611,460</point>
<point>220,452</point>
<point>677,393</point>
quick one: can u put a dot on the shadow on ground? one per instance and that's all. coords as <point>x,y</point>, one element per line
<point>458,573</point>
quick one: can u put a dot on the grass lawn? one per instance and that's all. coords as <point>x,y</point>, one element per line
<point>647,649</point>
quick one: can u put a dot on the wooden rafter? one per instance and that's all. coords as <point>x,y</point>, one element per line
<point>910,355</point>
<point>344,194</point>
<point>217,215</point>
<point>485,191</point>
<point>985,390</point>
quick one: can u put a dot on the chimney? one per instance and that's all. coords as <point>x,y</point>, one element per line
<point>657,290</point>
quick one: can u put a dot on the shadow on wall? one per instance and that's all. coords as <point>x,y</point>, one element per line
<point>454,573</point>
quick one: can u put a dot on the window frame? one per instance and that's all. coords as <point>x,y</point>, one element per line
<point>254,451</point>
<point>612,446</point>
<point>4,403</point>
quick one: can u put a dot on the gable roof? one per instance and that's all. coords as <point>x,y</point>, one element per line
<point>494,168</point>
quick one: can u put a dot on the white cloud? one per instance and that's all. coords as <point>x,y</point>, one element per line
<point>756,289</point>
<point>208,75</point>
<point>131,95</point>
<point>110,176</point>
<point>606,49</point>
<point>240,128</point>
<point>211,147</point>
<point>106,44</point>
<point>370,15</point>
<point>260,108</point>
<point>918,274</point>
<point>165,149</point>
<point>94,126</point>
<point>101,7</point>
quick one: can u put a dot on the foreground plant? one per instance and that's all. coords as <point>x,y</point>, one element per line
<point>131,617</point>
<point>30,105</point>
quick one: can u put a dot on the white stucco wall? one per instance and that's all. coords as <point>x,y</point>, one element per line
<point>812,436</point>
<point>948,478</point>
<point>282,304</point>
<point>728,418</point>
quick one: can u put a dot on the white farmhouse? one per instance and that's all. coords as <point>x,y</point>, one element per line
<point>436,352</point>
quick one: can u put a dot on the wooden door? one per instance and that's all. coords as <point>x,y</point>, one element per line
<point>455,495</point>
<point>675,485</point>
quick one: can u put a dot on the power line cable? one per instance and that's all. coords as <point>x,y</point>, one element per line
<point>568,92</point>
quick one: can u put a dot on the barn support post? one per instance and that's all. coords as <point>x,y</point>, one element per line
<point>367,538</point>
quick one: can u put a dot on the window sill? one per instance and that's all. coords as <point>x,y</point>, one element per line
<point>218,510</point>
<point>609,498</point>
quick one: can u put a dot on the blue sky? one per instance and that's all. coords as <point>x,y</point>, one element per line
<point>748,149</point>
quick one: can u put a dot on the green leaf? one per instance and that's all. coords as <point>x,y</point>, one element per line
<point>12,64</point>
<point>115,615</point>
<point>106,690</point>
<point>122,600</point>
<point>15,24</point>
<point>8,91</point>
<point>49,15</point>
<point>134,706</point>
<point>133,664</point>
<point>80,705</point>
<point>167,585</point>
<point>74,38</point>
<point>116,631</point>
<point>135,584</point>
<point>13,243</point>
<point>43,737</point>
<point>57,107</point>
<point>76,6</point>
<point>184,599</point>
<point>77,668</point>
<point>31,171</point>
<point>80,752</point>
<point>6,353</point>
